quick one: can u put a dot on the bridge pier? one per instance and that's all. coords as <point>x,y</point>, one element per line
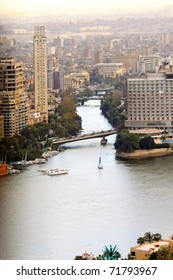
<point>103,141</point>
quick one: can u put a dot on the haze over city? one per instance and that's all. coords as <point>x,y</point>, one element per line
<point>78,7</point>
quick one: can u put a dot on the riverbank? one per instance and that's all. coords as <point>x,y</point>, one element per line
<point>140,154</point>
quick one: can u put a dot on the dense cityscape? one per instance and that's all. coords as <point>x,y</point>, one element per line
<point>49,65</point>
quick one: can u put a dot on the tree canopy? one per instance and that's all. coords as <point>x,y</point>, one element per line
<point>127,142</point>
<point>164,253</point>
<point>149,237</point>
<point>113,110</point>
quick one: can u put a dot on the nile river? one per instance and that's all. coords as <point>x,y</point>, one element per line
<point>59,217</point>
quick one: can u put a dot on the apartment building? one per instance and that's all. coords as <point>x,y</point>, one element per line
<point>40,72</point>
<point>1,127</point>
<point>13,99</point>
<point>150,102</point>
<point>148,64</point>
<point>129,60</point>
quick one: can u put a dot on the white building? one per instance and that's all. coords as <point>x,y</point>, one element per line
<point>40,72</point>
<point>150,102</point>
<point>148,64</point>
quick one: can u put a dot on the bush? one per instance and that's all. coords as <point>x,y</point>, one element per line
<point>164,145</point>
<point>147,143</point>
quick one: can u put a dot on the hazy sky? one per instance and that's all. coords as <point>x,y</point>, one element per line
<point>77,7</point>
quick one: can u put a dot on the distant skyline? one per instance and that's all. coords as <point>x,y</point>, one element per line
<point>78,7</point>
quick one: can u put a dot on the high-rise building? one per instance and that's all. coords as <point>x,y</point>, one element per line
<point>150,102</point>
<point>40,72</point>
<point>1,127</point>
<point>13,98</point>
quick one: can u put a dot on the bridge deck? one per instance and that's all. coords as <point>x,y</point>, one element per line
<point>100,134</point>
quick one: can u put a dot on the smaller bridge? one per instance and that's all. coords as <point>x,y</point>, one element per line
<point>102,134</point>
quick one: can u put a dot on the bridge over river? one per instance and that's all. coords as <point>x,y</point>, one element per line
<point>102,134</point>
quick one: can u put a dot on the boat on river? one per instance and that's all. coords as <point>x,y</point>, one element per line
<point>13,171</point>
<point>100,166</point>
<point>57,171</point>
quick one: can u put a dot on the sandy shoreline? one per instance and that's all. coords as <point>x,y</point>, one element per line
<point>139,154</point>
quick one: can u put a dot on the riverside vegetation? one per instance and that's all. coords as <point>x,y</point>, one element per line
<point>128,142</point>
<point>63,123</point>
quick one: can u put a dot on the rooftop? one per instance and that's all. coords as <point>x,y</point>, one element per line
<point>154,246</point>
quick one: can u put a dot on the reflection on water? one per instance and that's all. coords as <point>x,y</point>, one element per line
<point>59,217</point>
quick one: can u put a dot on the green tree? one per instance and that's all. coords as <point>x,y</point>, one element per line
<point>141,240</point>
<point>147,142</point>
<point>156,236</point>
<point>110,253</point>
<point>164,253</point>
<point>148,237</point>
<point>153,256</point>
<point>127,142</point>
<point>113,110</point>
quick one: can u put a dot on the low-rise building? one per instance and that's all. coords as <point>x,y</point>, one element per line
<point>35,117</point>
<point>112,70</point>
<point>148,64</point>
<point>143,252</point>
<point>76,80</point>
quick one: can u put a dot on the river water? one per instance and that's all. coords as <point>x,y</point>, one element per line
<point>59,217</point>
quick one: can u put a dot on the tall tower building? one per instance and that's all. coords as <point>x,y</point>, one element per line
<point>40,72</point>
<point>13,99</point>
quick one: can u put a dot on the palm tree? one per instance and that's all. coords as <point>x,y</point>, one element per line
<point>111,253</point>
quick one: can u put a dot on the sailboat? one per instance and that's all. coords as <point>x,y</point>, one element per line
<point>100,166</point>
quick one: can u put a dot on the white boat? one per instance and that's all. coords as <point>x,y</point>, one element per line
<point>13,171</point>
<point>57,171</point>
<point>49,154</point>
<point>40,160</point>
<point>100,166</point>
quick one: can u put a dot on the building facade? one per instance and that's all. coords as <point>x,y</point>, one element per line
<point>150,102</point>
<point>13,99</point>
<point>143,252</point>
<point>40,72</point>
<point>148,64</point>
<point>1,127</point>
<point>112,70</point>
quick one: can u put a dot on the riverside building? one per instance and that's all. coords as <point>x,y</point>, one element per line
<point>1,127</point>
<point>13,99</point>
<point>40,72</point>
<point>150,102</point>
